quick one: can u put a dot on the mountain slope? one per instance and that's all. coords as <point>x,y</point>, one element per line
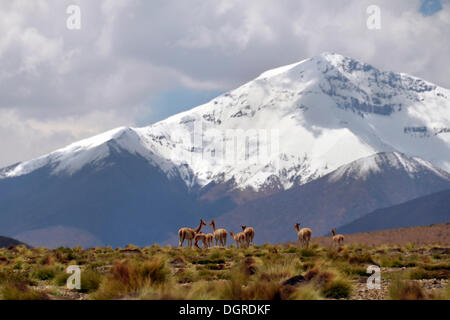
<point>346,194</point>
<point>6,242</point>
<point>286,127</point>
<point>118,200</point>
<point>430,209</point>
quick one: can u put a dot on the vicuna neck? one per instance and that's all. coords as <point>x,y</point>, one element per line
<point>198,228</point>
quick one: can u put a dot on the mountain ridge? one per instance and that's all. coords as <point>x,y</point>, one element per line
<point>426,210</point>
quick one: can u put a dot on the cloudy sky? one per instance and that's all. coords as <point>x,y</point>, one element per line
<point>136,62</point>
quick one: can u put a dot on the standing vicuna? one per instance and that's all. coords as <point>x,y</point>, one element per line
<point>219,234</point>
<point>189,233</point>
<point>338,239</point>
<point>249,233</point>
<point>206,238</point>
<point>304,234</point>
<point>239,238</point>
<point>209,239</point>
<point>203,237</point>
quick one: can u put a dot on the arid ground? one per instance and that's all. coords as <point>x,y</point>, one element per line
<point>421,235</point>
<point>414,264</point>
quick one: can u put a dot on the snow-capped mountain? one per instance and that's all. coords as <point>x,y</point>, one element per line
<point>288,126</point>
<point>365,167</point>
<point>329,137</point>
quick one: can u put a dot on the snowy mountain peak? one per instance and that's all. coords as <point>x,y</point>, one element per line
<point>288,126</point>
<point>70,158</point>
<point>377,163</point>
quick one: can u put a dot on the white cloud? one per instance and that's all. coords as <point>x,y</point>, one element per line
<point>26,138</point>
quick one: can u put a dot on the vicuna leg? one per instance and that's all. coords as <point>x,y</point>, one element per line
<point>181,240</point>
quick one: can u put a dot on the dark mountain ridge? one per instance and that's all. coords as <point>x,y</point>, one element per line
<point>430,209</point>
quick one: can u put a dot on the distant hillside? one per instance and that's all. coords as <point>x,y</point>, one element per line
<point>5,242</point>
<point>422,235</point>
<point>426,210</point>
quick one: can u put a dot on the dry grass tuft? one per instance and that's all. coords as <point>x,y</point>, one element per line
<point>19,290</point>
<point>406,290</point>
<point>130,276</point>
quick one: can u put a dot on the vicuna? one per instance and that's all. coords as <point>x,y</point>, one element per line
<point>338,239</point>
<point>220,235</point>
<point>249,233</point>
<point>189,233</point>
<point>304,234</point>
<point>239,238</point>
<point>201,237</point>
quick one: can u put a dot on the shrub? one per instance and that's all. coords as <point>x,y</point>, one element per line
<point>261,290</point>
<point>307,292</point>
<point>353,270</point>
<point>155,270</point>
<point>44,273</point>
<point>61,279</point>
<point>337,289</point>
<point>307,252</point>
<point>440,266</point>
<point>216,255</point>
<point>238,288</point>
<point>422,273</point>
<point>291,250</point>
<point>90,281</point>
<point>20,291</point>
<point>361,258</point>
<point>48,260</point>
<point>405,290</point>
<point>129,276</point>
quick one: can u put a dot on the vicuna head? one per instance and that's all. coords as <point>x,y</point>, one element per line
<point>333,232</point>
<point>243,227</point>
<point>202,222</point>
<point>297,226</point>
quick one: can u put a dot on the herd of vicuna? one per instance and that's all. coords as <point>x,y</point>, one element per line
<point>243,238</point>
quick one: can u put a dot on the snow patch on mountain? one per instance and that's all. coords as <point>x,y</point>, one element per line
<point>92,150</point>
<point>71,158</point>
<point>363,168</point>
